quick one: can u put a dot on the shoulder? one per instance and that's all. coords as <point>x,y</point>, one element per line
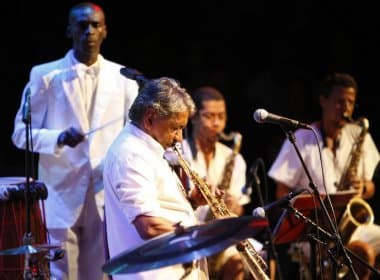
<point>111,69</point>
<point>48,67</point>
<point>226,151</point>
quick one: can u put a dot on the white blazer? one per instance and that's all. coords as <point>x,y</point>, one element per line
<point>55,106</point>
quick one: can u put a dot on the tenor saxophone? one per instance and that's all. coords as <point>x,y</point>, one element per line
<point>250,256</point>
<point>358,212</point>
<point>228,168</point>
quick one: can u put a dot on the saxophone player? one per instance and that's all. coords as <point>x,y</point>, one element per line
<point>212,160</point>
<point>143,197</point>
<point>337,97</point>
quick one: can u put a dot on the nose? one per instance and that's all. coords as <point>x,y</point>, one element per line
<point>89,29</point>
<point>178,136</point>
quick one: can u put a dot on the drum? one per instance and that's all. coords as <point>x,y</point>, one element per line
<point>13,214</point>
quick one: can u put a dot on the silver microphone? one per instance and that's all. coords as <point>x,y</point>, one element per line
<point>263,116</point>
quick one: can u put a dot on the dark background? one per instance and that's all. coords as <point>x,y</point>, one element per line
<point>260,55</point>
<point>266,55</point>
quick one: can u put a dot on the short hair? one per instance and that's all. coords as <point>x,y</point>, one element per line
<point>337,79</point>
<point>165,96</point>
<point>82,5</point>
<point>206,93</point>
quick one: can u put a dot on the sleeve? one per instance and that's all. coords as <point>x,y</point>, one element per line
<point>44,140</point>
<point>133,183</point>
<point>371,157</point>
<point>287,167</point>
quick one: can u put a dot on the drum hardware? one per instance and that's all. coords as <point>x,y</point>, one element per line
<point>32,269</point>
<point>33,252</point>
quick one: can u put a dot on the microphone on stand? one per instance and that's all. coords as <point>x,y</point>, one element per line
<point>26,107</point>
<point>134,74</point>
<point>260,212</point>
<point>263,116</point>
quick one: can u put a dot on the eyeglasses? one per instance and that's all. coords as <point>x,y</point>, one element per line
<point>212,116</point>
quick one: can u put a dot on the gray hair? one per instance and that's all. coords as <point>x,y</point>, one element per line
<point>165,96</point>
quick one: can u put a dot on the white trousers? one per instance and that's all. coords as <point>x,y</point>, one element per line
<point>83,244</point>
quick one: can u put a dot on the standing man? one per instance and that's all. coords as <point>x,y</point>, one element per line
<point>337,143</point>
<point>220,166</point>
<point>143,195</point>
<point>68,98</point>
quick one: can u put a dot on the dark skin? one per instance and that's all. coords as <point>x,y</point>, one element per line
<point>87,29</point>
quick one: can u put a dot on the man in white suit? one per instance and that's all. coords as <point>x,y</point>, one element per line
<point>68,98</point>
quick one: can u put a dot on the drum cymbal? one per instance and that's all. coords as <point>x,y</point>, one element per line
<point>22,250</point>
<point>190,244</point>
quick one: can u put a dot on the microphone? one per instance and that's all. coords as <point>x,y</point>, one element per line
<point>134,75</point>
<point>26,107</point>
<point>259,212</point>
<point>262,116</point>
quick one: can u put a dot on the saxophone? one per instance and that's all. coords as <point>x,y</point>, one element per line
<point>229,167</point>
<point>358,212</point>
<point>352,168</point>
<point>230,164</point>
<point>250,256</point>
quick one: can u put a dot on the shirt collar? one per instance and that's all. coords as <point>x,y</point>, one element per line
<point>95,67</point>
<point>150,141</point>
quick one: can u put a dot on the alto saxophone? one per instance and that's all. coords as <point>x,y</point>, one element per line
<point>250,256</point>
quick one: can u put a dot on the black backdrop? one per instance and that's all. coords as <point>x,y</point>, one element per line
<point>259,55</point>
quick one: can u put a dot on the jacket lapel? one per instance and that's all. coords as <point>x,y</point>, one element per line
<point>72,89</point>
<point>103,95</point>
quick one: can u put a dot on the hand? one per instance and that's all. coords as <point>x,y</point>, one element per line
<point>233,204</point>
<point>197,198</point>
<point>70,137</point>
<point>357,184</point>
<point>366,189</point>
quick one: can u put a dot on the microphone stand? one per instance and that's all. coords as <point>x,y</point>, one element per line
<point>336,237</point>
<point>257,184</point>
<point>28,238</point>
<point>298,214</point>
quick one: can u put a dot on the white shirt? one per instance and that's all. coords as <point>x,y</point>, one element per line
<point>288,170</point>
<point>88,79</point>
<point>138,180</point>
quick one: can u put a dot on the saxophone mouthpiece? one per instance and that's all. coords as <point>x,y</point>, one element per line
<point>347,117</point>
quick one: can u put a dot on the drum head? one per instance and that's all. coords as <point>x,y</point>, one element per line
<point>12,180</point>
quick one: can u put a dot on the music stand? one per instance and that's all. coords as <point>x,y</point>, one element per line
<point>290,228</point>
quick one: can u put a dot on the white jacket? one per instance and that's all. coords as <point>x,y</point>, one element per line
<point>55,106</point>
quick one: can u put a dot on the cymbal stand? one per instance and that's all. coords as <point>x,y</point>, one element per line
<point>336,236</point>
